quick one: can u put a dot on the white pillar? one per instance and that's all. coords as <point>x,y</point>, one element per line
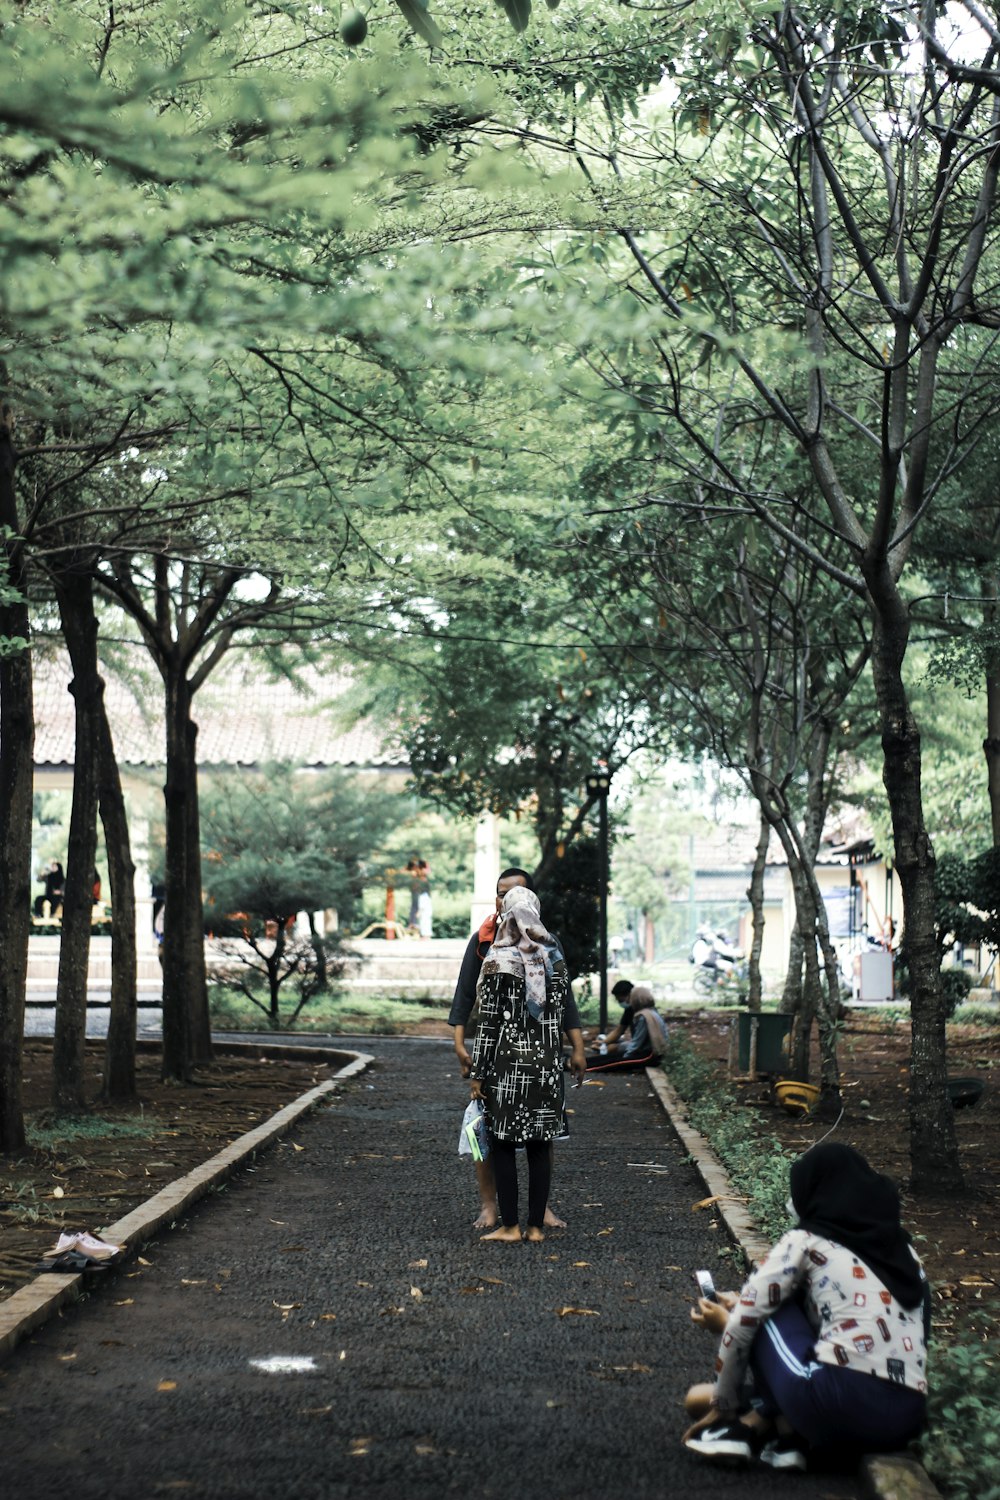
<point>486,869</point>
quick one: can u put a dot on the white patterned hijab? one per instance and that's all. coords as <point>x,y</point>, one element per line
<point>524,947</point>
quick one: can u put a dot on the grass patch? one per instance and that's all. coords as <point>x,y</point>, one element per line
<point>977,1013</point>
<point>46,1136</point>
<point>333,1013</point>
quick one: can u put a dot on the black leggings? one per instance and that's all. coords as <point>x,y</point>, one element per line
<point>539,1154</point>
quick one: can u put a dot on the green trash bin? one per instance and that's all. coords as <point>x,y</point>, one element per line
<point>772,1028</point>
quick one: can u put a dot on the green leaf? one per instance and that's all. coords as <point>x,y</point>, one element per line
<point>419,19</point>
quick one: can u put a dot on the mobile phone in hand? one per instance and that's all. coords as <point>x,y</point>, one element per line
<point>706,1286</point>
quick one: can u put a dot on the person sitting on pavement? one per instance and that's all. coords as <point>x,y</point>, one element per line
<point>516,1057</point>
<point>833,1326</point>
<point>620,992</point>
<point>647,1040</point>
<point>458,1017</point>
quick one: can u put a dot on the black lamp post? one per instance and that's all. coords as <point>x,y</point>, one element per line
<point>598,785</point>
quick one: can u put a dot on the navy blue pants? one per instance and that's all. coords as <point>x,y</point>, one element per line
<point>824,1403</point>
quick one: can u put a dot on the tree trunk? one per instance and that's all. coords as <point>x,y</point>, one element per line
<point>319,949</point>
<point>17,754</point>
<point>176,949</point>
<point>119,1057</point>
<point>791,995</point>
<point>755,895</point>
<point>274,974</point>
<point>79,627</point>
<point>200,1029</point>
<point>991,744</point>
<point>934,1156</point>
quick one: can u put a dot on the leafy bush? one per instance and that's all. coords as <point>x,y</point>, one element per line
<point>757,1165</point>
<point>955,985</point>
<point>961,1449</point>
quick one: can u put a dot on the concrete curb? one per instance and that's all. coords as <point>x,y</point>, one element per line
<point>884,1476</point>
<point>35,1303</point>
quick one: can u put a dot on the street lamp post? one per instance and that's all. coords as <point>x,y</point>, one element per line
<point>598,785</point>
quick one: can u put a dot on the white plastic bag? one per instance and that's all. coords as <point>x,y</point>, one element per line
<point>474,1126</point>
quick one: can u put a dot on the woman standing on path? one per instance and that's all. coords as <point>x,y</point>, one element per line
<point>516,1058</point>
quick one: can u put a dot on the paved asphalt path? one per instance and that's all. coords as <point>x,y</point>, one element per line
<point>433,1364</point>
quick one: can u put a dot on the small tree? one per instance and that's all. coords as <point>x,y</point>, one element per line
<point>276,845</point>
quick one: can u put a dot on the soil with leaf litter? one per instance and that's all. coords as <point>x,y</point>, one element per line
<point>82,1179</point>
<point>957,1237</point>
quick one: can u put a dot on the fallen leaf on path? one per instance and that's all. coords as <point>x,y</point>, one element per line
<point>65,1357</point>
<point>328,1317</point>
<point>604,1231</point>
<point>416,1265</point>
<point>167,1385</point>
<point>582,1312</point>
<point>186,1282</point>
<point>125,1302</point>
<point>316,1411</point>
<point>417,1293</point>
<point>359,1446</point>
<point>144,1262</point>
<point>581,1263</point>
<point>423,1448</point>
<point>297,1148</point>
<point>493,1280</point>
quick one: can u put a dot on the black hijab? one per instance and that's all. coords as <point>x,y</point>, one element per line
<point>838,1195</point>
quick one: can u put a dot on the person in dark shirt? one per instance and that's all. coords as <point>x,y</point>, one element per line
<point>620,992</point>
<point>458,1017</point>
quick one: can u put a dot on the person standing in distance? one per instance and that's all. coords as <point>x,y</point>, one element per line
<point>458,1017</point>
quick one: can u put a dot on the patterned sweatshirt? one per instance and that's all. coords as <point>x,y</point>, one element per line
<point>859,1324</point>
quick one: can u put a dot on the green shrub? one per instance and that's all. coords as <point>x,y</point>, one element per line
<point>955,985</point>
<point>757,1165</point>
<point>961,1449</point>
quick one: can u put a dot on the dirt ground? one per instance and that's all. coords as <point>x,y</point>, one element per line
<point>87,1183</point>
<point>958,1238</point>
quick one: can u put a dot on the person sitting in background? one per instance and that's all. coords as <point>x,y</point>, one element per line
<point>833,1325</point>
<point>620,992</point>
<point>647,1040</point>
<point>52,896</point>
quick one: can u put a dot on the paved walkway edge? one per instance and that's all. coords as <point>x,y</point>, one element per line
<point>35,1303</point>
<point>884,1476</point>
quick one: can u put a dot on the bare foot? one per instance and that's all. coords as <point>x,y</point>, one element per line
<point>534,1235</point>
<point>511,1236</point>
<point>487,1218</point>
<point>553,1221</point>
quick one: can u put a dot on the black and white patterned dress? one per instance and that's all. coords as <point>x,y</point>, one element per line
<point>518,1059</point>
